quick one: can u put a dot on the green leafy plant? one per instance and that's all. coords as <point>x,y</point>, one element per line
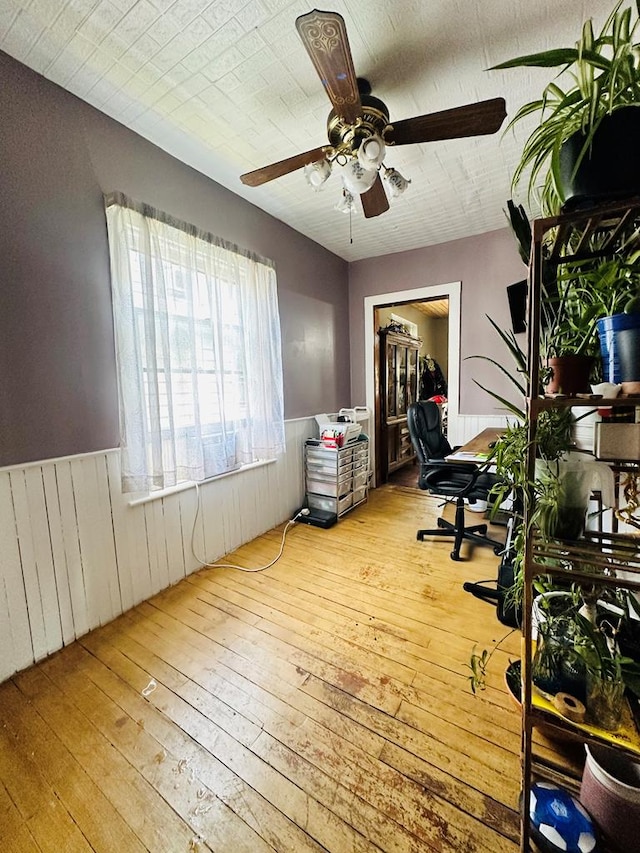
<point>508,457</point>
<point>572,301</point>
<point>478,664</point>
<point>598,75</point>
<point>521,228</point>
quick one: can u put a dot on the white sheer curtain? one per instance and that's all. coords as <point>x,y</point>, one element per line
<point>198,350</point>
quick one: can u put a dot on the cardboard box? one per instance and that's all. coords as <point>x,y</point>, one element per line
<point>620,442</point>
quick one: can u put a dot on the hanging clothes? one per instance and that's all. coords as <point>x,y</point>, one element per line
<point>432,381</point>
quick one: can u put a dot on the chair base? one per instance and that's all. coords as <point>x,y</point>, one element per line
<point>474,533</point>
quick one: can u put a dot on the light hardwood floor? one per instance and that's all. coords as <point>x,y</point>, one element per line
<point>320,705</point>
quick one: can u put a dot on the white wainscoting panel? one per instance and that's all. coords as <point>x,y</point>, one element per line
<point>466,427</point>
<point>74,553</point>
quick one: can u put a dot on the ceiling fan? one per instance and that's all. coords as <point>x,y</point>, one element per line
<point>358,126</point>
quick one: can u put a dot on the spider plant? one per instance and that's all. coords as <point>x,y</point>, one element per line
<point>602,74</point>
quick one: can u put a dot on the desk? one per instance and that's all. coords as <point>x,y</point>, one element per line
<point>477,450</point>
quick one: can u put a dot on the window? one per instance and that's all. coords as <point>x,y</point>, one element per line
<point>197,347</point>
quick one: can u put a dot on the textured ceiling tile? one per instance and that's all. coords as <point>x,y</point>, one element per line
<point>21,35</point>
<point>198,31</point>
<point>222,64</point>
<point>252,15</point>
<point>100,22</point>
<point>225,37</point>
<point>251,43</point>
<point>43,53</point>
<point>182,12</point>
<point>46,12</point>
<point>124,5</point>
<point>234,89</point>
<point>222,11</point>
<point>194,84</point>
<point>163,29</point>
<point>167,103</point>
<point>229,82</point>
<point>136,21</point>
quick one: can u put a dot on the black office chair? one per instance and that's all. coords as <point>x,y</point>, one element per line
<point>453,481</point>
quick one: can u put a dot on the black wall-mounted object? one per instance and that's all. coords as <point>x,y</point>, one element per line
<point>517,296</point>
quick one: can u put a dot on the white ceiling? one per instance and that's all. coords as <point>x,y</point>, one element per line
<point>227,87</point>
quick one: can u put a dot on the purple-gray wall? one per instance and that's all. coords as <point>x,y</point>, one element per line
<point>58,156</point>
<point>486,265</point>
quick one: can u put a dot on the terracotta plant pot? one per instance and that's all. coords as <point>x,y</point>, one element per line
<point>570,375</point>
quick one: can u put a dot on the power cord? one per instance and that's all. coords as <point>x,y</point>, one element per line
<point>206,564</point>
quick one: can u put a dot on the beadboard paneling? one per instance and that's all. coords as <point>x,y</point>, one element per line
<point>74,554</point>
<point>467,427</point>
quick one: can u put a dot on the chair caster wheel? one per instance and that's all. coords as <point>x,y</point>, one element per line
<point>455,556</point>
<point>441,522</point>
<point>498,550</point>
<point>419,537</point>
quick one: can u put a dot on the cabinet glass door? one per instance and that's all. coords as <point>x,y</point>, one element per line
<point>412,377</point>
<point>402,380</point>
<point>391,380</point>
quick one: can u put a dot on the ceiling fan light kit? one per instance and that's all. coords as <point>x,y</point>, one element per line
<point>317,173</point>
<point>358,126</point>
<point>346,202</point>
<point>371,152</point>
<point>356,179</point>
<point>397,184</point>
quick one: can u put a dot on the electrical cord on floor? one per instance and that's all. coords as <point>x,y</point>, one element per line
<point>206,564</point>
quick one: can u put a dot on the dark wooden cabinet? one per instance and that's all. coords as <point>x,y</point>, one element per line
<point>398,389</point>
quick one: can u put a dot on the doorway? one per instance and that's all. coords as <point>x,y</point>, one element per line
<point>450,292</point>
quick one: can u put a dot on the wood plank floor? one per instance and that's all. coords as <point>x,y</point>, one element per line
<point>320,705</point>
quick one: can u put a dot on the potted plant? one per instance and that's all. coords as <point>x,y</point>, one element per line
<point>597,646</point>
<point>569,341</point>
<point>557,666</point>
<point>569,151</point>
<point>508,457</point>
<point>608,291</point>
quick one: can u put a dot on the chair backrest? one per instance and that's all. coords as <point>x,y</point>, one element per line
<point>425,428</point>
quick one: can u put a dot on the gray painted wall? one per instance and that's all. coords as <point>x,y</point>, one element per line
<point>485,264</point>
<point>57,366</point>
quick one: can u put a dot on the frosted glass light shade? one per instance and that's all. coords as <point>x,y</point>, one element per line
<point>371,152</point>
<point>317,173</point>
<point>346,202</point>
<point>397,184</point>
<point>356,178</point>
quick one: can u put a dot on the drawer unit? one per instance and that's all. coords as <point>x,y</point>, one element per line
<point>339,506</point>
<point>359,495</point>
<point>333,475</point>
<point>338,485</point>
<point>360,480</point>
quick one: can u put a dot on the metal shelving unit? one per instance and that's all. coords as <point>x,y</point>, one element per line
<point>609,227</point>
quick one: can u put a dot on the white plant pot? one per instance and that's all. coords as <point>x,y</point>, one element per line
<point>610,792</point>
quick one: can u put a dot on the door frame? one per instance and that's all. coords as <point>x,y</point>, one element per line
<point>452,292</point>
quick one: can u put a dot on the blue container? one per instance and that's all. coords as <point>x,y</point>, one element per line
<point>608,327</point>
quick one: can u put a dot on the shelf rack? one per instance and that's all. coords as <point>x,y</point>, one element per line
<point>574,236</point>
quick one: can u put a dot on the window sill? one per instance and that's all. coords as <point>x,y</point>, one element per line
<point>192,484</point>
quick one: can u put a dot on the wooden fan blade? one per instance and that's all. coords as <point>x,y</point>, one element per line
<point>471,120</point>
<point>324,36</point>
<point>375,201</point>
<point>283,167</point>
